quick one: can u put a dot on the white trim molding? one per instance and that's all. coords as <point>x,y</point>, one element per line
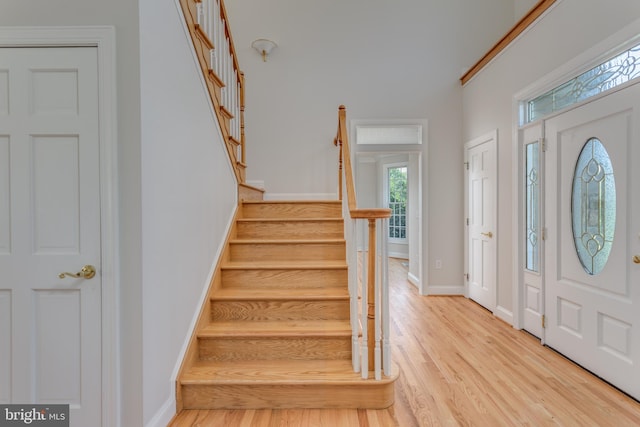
<point>103,38</point>
<point>504,314</point>
<point>414,280</point>
<point>457,290</point>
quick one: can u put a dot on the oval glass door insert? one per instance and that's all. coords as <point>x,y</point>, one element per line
<point>593,206</point>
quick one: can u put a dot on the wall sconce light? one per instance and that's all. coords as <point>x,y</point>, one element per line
<point>264,47</point>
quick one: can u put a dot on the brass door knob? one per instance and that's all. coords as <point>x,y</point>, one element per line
<point>636,259</point>
<point>87,272</point>
<point>488,234</point>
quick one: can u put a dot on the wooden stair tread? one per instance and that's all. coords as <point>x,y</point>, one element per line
<point>262,329</point>
<point>288,294</point>
<point>294,202</point>
<point>314,219</point>
<point>284,241</point>
<point>284,265</point>
<point>280,372</point>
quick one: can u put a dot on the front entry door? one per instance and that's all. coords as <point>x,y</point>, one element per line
<point>482,180</point>
<point>50,326</point>
<point>592,214</point>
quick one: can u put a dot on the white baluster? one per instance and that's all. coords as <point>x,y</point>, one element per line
<point>212,59</point>
<point>386,317</point>
<point>236,106</point>
<point>229,74</point>
<point>205,18</point>
<point>216,36</point>
<point>239,121</point>
<point>223,70</point>
<point>350,231</point>
<point>233,98</point>
<point>226,73</point>
<point>377,321</point>
<point>364,347</point>
<point>210,21</point>
<point>200,14</point>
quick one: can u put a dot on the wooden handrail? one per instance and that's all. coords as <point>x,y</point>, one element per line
<point>342,140</point>
<point>506,40</point>
<point>372,215</point>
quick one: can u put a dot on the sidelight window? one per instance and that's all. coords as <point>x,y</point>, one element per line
<point>532,221</point>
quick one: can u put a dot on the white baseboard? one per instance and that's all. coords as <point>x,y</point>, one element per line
<point>256,184</point>
<point>504,314</point>
<point>413,279</point>
<point>445,290</point>
<point>401,255</point>
<point>164,415</point>
<point>300,196</point>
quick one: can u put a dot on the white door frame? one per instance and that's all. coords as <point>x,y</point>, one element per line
<point>103,38</point>
<point>418,281</point>
<point>626,37</point>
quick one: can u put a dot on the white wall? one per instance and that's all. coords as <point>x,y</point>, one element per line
<point>521,7</point>
<point>570,28</point>
<point>188,199</point>
<point>383,60</point>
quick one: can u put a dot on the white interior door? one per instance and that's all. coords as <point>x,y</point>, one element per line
<point>482,204</point>
<point>592,214</point>
<point>50,327</point>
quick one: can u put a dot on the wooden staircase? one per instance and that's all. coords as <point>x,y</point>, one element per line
<point>275,330</point>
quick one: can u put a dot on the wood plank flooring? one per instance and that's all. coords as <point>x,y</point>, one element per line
<point>460,366</point>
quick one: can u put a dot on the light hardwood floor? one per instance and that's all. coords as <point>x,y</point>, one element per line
<point>460,366</point>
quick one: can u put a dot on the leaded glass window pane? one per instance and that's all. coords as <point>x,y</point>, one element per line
<point>609,74</point>
<point>593,206</point>
<point>532,221</point>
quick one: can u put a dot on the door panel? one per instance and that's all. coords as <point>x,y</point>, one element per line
<point>592,318</point>
<point>481,157</point>
<point>49,224</point>
<point>55,186</point>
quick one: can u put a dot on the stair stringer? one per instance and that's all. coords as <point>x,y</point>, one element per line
<point>191,355</point>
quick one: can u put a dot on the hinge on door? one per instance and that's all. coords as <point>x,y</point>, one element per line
<point>466,165</point>
<point>467,221</point>
<point>544,321</point>
<point>466,276</point>
<point>544,233</point>
<point>543,144</point>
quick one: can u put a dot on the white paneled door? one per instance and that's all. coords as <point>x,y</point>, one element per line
<point>50,326</point>
<point>592,215</point>
<point>481,189</point>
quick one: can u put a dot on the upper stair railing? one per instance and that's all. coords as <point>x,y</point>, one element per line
<point>368,274</point>
<point>209,29</point>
